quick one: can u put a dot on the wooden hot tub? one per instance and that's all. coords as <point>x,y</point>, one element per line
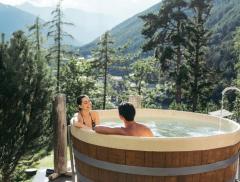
<point>112,158</point>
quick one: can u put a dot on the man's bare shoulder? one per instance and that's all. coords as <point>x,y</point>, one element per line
<point>147,131</point>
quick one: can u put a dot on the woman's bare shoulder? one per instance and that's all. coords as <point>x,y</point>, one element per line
<point>94,113</point>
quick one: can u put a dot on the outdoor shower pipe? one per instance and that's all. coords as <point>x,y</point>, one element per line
<point>224,91</point>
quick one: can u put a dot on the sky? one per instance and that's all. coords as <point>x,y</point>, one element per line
<point>117,8</point>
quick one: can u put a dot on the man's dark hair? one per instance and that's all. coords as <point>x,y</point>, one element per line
<point>127,110</point>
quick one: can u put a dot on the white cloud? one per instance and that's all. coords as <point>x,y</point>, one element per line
<point>12,2</point>
<point>43,3</point>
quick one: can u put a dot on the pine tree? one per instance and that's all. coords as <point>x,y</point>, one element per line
<point>35,30</point>
<point>198,36</point>
<point>103,56</point>
<point>141,71</point>
<point>57,33</point>
<point>166,35</point>
<point>25,94</point>
<point>237,53</point>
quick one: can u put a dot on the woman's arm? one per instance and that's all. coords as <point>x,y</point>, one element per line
<point>74,119</point>
<point>109,130</point>
<point>77,121</point>
<point>96,117</point>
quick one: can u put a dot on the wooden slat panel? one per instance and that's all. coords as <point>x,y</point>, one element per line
<point>155,159</point>
<point>204,177</point>
<point>148,178</point>
<point>116,177</point>
<point>196,178</point>
<point>212,156</point>
<point>148,163</point>
<point>148,159</point>
<point>135,178</point>
<point>93,173</point>
<point>170,179</point>
<point>117,156</point>
<point>228,173</point>
<point>92,151</point>
<point>120,177</point>
<point>135,158</point>
<point>197,160</point>
<point>102,153</point>
<point>219,154</point>
<point>172,159</point>
<point>104,176</point>
<point>185,159</point>
<point>158,179</point>
<point>219,177</point>
<point>189,159</point>
<point>110,176</point>
<point>207,177</point>
<point>185,178</point>
<point>204,157</point>
<point>158,159</point>
<point>84,148</point>
<point>84,169</point>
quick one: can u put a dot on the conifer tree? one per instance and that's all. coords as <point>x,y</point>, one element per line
<point>57,33</point>
<point>35,30</point>
<point>237,53</point>
<point>165,32</point>
<point>142,69</point>
<point>25,94</point>
<point>198,36</point>
<point>103,56</point>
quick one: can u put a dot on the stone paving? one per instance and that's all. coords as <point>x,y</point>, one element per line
<point>41,177</point>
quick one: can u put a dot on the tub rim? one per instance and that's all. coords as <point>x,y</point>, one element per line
<point>159,143</point>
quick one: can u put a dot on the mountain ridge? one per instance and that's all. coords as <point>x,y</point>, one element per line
<point>84,21</point>
<point>9,14</point>
<point>221,26</point>
<point>132,24</point>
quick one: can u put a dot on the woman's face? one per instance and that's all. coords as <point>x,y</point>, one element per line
<point>86,104</point>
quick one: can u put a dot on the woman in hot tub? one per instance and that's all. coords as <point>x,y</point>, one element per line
<point>85,118</point>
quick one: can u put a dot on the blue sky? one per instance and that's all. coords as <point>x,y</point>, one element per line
<point>116,8</point>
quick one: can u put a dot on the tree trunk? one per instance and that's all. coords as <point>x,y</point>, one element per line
<point>60,134</point>
<point>178,80</point>
<point>195,83</point>
<point>105,74</point>
<point>38,39</point>
<point>58,49</point>
<point>139,88</point>
<point>6,176</point>
<point>2,38</point>
<point>105,86</point>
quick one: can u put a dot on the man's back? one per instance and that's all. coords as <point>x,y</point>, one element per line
<point>137,129</point>
<point>132,128</point>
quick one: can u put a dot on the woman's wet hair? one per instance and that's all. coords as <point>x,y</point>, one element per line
<point>79,100</point>
<point>127,110</point>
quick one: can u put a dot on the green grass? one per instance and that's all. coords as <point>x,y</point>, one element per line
<point>47,161</point>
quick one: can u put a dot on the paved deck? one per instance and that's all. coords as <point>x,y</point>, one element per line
<point>41,177</point>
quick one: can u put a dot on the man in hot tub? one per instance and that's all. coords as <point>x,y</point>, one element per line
<point>132,128</point>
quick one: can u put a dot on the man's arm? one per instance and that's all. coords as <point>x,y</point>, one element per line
<point>110,131</point>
